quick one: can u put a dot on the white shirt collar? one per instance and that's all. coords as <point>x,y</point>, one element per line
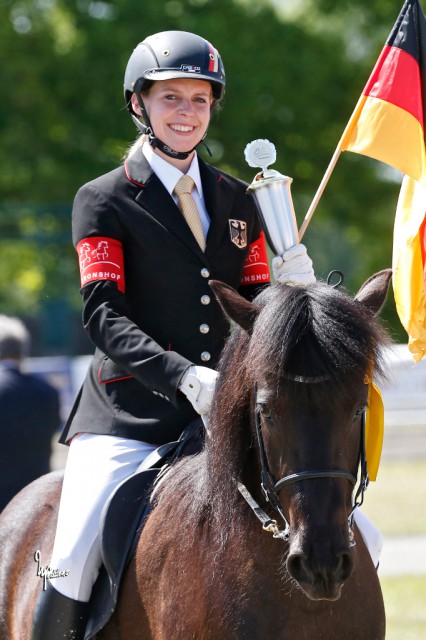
<point>167,173</point>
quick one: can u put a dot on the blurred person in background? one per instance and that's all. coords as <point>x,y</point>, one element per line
<point>29,414</point>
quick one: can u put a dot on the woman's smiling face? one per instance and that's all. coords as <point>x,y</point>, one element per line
<point>179,111</point>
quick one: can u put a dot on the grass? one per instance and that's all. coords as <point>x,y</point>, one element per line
<point>396,504</point>
<point>405,598</point>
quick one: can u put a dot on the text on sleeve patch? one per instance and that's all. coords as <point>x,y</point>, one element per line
<point>256,266</point>
<point>101,259</point>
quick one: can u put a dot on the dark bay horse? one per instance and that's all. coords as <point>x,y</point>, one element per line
<point>251,538</point>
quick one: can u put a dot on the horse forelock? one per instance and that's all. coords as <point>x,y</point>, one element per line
<point>315,332</point>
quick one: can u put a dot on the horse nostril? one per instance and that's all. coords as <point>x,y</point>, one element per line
<point>302,569</point>
<point>297,566</point>
<point>345,566</point>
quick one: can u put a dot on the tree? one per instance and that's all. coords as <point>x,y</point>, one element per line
<point>64,122</point>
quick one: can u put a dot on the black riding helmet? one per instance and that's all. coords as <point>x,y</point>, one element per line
<point>168,55</point>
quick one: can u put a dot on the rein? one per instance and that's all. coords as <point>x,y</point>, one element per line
<point>271,488</point>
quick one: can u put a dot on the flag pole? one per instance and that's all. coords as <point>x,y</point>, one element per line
<point>320,191</point>
<point>342,146</point>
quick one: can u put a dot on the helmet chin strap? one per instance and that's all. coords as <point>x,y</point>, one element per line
<point>155,142</point>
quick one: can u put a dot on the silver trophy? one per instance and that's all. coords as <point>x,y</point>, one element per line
<point>271,191</point>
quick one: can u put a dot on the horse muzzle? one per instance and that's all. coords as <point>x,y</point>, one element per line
<point>320,572</point>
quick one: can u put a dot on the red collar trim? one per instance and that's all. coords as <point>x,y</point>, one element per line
<point>128,176</point>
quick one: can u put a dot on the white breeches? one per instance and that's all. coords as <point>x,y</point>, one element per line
<point>96,464</point>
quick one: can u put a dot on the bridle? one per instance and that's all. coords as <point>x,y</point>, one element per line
<point>271,488</point>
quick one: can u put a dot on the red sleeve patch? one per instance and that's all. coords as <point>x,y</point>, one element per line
<point>101,259</point>
<point>256,266</point>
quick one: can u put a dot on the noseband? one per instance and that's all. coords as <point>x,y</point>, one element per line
<point>271,488</point>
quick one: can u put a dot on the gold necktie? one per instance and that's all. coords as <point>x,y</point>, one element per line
<point>189,209</point>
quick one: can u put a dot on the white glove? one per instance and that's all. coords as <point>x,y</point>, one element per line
<point>294,266</point>
<point>198,384</point>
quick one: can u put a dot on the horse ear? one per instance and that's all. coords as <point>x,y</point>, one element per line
<point>236,307</point>
<point>374,291</point>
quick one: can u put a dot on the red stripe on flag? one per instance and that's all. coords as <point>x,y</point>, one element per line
<point>396,79</point>
<point>422,235</point>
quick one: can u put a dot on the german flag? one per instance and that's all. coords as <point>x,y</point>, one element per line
<point>388,124</point>
<point>409,264</point>
<point>388,121</point>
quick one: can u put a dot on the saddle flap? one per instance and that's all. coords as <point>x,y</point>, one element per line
<point>121,519</point>
<point>122,516</point>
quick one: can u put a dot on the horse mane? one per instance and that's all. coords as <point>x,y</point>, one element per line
<point>315,332</point>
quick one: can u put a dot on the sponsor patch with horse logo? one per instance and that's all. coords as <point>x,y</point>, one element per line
<point>256,267</point>
<point>238,230</point>
<point>101,259</point>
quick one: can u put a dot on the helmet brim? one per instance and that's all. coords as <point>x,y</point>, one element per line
<point>156,75</point>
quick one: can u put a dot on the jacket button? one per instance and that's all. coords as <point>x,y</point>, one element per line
<point>204,328</point>
<point>205,272</point>
<point>205,299</point>
<point>205,356</point>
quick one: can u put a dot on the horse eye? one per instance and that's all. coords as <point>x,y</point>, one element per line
<point>360,411</point>
<point>266,414</point>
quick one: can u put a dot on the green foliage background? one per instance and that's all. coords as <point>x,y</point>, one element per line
<point>294,71</point>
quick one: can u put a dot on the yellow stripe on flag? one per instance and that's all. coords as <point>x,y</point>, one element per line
<point>373,130</point>
<point>408,269</point>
